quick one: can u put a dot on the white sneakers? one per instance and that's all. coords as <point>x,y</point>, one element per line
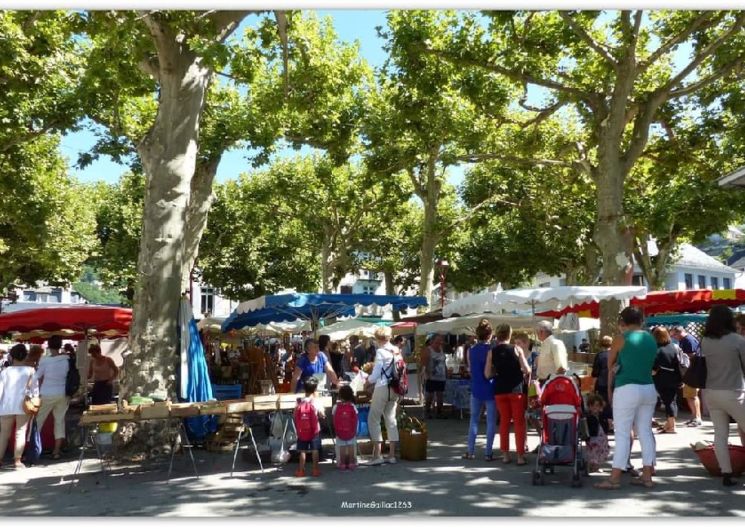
<point>378,461</point>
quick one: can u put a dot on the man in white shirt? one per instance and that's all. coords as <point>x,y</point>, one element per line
<point>553,353</point>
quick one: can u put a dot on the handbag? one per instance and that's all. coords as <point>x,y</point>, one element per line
<point>31,405</point>
<point>695,376</point>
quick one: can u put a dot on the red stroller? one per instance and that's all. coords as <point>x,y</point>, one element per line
<point>560,441</point>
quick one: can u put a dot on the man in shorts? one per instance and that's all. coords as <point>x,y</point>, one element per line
<point>690,345</point>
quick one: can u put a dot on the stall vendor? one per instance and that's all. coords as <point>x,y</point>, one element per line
<point>104,372</point>
<point>312,363</point>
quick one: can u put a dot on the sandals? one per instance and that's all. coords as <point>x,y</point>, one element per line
<point>607,485</point>
<point>522,462</point>
<point>639,481</point>
<point>666,431</point>
<point>56,456</point>
<point>506,460</point>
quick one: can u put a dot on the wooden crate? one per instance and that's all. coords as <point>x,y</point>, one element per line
<point>155,411</point>
<point>184,410</point>
<point>92,419</point>
<point>103,409</point>
<point>210,407</point>
<point>238,405</point>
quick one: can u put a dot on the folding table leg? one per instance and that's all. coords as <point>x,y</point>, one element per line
<point>237,446</point>
<point>188,446</point>
<point>256,448</point>
<point>84,441</point>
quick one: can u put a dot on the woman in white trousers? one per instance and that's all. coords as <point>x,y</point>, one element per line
<point>384,400</point>
<point>634,397</point>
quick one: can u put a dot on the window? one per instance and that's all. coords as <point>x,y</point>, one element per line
<point>545,284</point>
<point>368,289</point>
<point>208,300</point>
<point>726,283</point>
<point>689,281</point>
<point>714,283</point>
<point>638,279</point>
<point>701,281</point>
<point>345,289</point>
<point>29,296</point>
<point>562,282</point>
<point>56,295</point>
<point>74,298</point>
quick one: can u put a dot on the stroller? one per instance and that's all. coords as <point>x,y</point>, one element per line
<point>559,430</point>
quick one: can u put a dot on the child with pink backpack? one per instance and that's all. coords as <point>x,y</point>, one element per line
<point>308,427</point>
<point>345,426</point>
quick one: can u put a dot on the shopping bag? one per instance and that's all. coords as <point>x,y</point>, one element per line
<point>32,451</point>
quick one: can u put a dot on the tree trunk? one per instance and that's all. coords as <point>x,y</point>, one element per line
<point>430,196</point>
<point>200,203</point>
<point>390,290</point>
<point>168,153</point>
<point>326,269</point>
<point>610,236</point>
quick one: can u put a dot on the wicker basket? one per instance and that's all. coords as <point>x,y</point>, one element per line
<point>709,460</point>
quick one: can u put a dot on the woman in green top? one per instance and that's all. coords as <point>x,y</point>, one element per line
<point>634,397</point>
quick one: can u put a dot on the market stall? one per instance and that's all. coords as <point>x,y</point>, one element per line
<point>660,302</point>
<point>312,307</point>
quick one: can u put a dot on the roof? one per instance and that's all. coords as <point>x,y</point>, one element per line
<point>738,264</point>
<point>736,178</point>
<point>693,258</point>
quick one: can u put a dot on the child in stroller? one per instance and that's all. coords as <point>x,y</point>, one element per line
<point>560,440</point>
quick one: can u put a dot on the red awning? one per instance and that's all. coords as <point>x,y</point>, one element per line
<point>657,302</point>
<point>95,319</point>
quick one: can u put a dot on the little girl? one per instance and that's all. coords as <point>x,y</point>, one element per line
<point>598,448</point>
<point>345,426</point>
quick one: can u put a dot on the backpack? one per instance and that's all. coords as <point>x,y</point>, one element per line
<point>345,421</point>
<point>398,377</point>
<point>684,362</point>
<point>306,421</point>
<point>72,380</point>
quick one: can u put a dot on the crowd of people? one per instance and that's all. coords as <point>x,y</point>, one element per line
<point>53,379</point>
<point>633,371</point>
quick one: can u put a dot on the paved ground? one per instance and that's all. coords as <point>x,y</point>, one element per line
<point>442,485</point>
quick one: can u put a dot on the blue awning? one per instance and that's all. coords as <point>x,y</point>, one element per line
<point>311,306</point>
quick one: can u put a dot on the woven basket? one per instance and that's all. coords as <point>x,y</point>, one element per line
<point>709,460</point>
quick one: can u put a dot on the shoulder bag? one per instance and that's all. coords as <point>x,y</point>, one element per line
<point>695,376</point>
<point>31,405</point>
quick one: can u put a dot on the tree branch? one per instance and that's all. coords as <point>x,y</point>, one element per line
<point>584,36</point>
<point>282,25</point>
<point>703,55</point>
<point>226,21</point>
<point>517,76</point>
<point>721,72</point>
<point>480,157</point>
<point>679,38</point>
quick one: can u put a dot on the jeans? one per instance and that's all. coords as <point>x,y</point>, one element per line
<point>633,405</point>
<point>491,423</point>
<point>512,409</point>
<point>723,404</point>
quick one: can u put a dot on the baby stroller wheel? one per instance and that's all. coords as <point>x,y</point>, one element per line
<point>537,478</point>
